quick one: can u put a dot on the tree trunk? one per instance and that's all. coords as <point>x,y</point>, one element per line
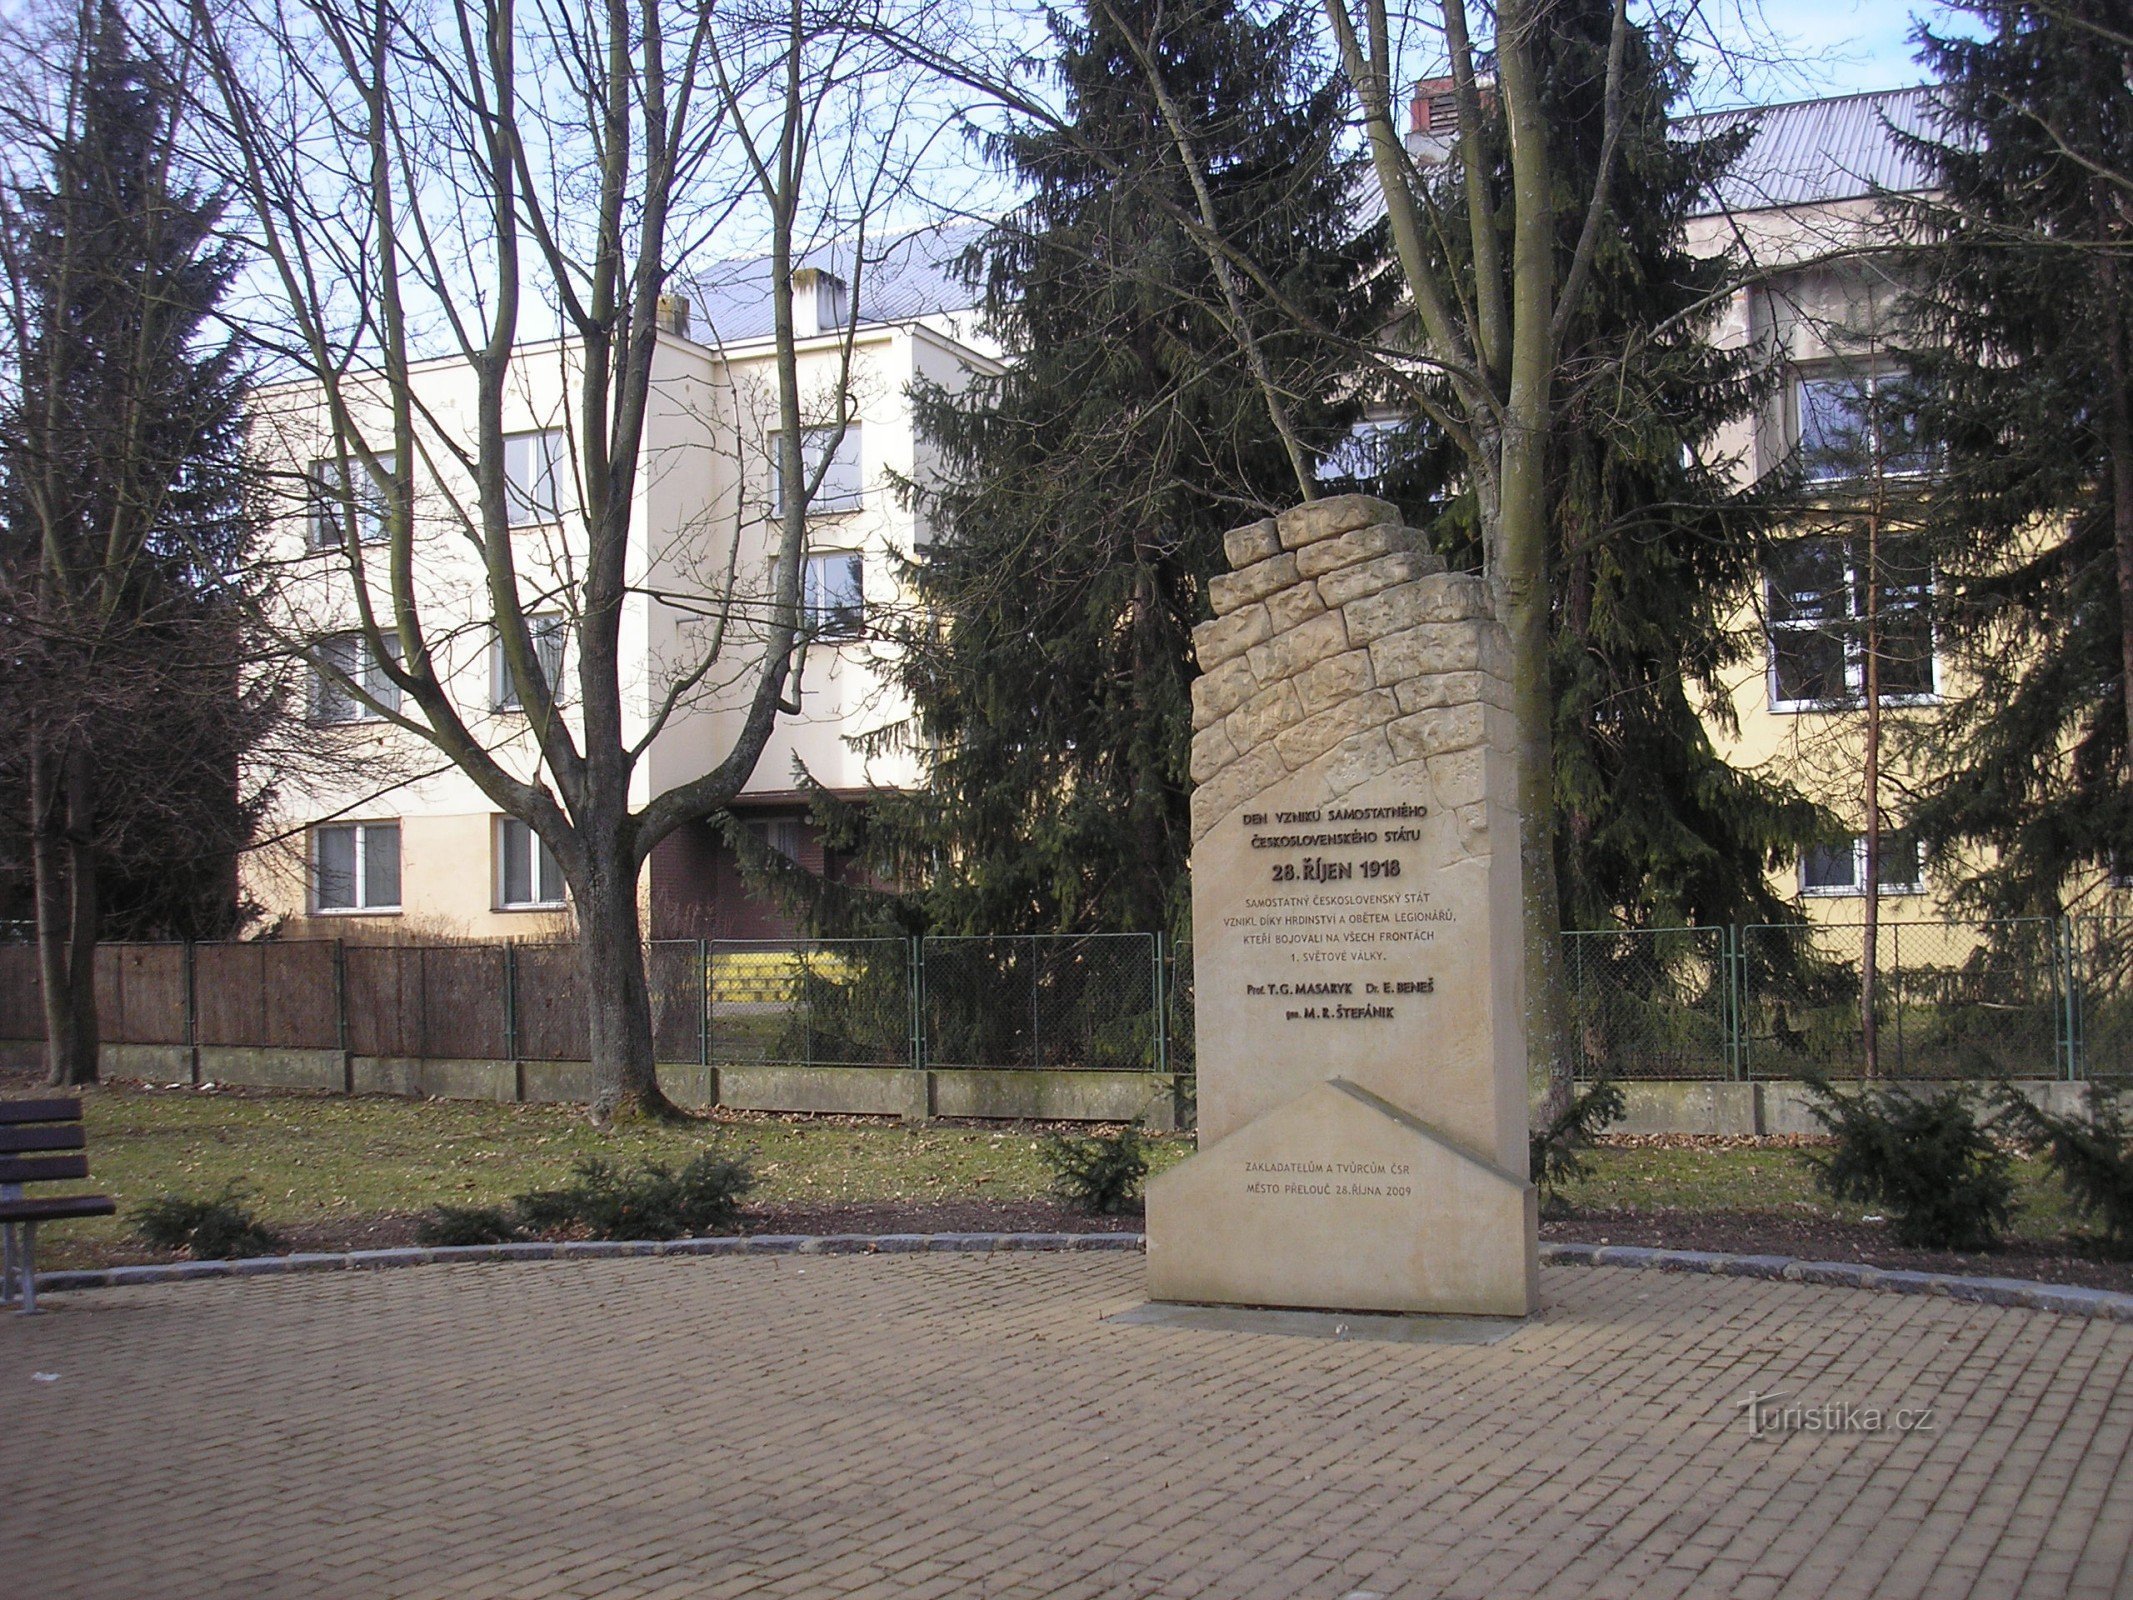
<point>1522,600</point>
<point>2118,414</point>
<point>63,871</point>
<point>1870,866</point>
<point>618,1002</point>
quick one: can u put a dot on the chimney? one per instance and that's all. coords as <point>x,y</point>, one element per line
<point>1433,124</point>
<point>674,315</point>
<point>819,302</point>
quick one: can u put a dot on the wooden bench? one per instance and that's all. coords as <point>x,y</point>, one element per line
<point>31,1131</point>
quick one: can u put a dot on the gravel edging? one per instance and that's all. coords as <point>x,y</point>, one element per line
<point>2021,1293</point>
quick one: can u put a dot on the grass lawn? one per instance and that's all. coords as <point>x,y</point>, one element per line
<point>1712,1178</point>
<point>321,1159</point>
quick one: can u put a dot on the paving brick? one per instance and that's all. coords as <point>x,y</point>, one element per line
<point>917,1425</point>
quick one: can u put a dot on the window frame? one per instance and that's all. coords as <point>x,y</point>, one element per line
<point>501,833</point>
<point>1850,630</point>
<point>839,623</point>
<point>551,639</point>
<point>1867,383</point>
<point>1856,889</point>
<point>521,507</point>
<point>365,669</point>
<point>362,838</point>
<point>832,498</point>
<point>327,505</point>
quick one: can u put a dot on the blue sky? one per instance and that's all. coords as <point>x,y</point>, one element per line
<point>1828,47</point>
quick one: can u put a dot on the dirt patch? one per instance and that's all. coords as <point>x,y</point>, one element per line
<point>1827,1239</point>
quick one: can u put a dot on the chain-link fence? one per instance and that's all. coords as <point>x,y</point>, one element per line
<point>1950,1000</point>
<point>2035,997</point>
<point>1089,1002</point>
<point>1652,1003</point>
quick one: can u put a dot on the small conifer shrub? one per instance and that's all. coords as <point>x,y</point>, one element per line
<point>457,1225</point>
<point>215,1228</point>
<point>1099,1175</point>
<point>1926,1160</point>
<point>2092,1155</point>
<point>649,1201</point>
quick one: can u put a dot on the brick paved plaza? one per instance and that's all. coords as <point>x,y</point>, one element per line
<point>923,1426</point>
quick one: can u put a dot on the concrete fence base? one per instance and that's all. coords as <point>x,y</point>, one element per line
<point>1161,1101</point>
<point>1775,1108</point>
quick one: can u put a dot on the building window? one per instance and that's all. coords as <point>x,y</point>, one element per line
<point>778,834</point>
<point>1840,869</point>
<point>841,480</point>
<point>343,490</point>
<point>355,866</point>
<point>1858,426</point>
<point>535,472</point>
<point>528,877</point>
<point>333,701</point>
<point>1817,593</point>
<point>547,635</point>
<point>834,595</point>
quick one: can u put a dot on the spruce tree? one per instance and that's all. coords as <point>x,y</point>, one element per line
<point>1085,490</point>
<point>2021,325</point>
<point>124,527</point>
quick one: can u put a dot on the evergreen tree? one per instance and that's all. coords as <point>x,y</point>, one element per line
<point>123,526</point>
<point>1654,546</point>
<point>2022,328</point>
<point>1086,488</point>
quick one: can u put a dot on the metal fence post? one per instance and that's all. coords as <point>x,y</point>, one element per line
<point>2071,1064</point>
<point>192,1014</point>
<point>340,1015</point>
<point>915,960</point>
<point>703,1002</point>
<point>1162,1016</point>
<point>510,999</point>
<point>1735,955</point>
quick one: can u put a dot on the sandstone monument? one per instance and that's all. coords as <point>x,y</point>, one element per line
<point>1355,888</point>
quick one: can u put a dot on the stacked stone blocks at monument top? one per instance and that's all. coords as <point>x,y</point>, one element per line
<point>1337,632</point>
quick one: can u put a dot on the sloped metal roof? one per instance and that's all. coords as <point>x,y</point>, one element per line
<point>912,275</point>
<point>1815,151</point>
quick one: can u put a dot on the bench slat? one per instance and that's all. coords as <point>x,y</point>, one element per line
<point>42,1169</point>
<point>57,1207</point>
<point>58,1109</point>
<point>43,1136</point>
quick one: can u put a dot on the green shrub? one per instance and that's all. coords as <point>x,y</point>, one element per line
<point>220,1228</point>
<point>2092,1155</point>
<point>455,1225</point>
<point>1555,1155</point>
<point>651,1201</point>
<point>1099,1175</point>
<point>1924,1159</point>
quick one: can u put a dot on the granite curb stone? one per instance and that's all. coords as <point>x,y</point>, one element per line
<point>2014,1293</point>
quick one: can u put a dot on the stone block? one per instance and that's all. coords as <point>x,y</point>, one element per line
<point>1453,689</point>
<point>1291,606</point>
<point>1426,651</point>
<point>1229,590</point>
<point>1313,737</point>
<point>1211,752</point>
<point>1227,638</point>
<point>1269,712</point>
<point>1216,694</point>
<point>1304,645</point>
<point>1240,781</point>
<point>1334,679</point>
<point>1436,733</point>
<point>1352,584</point>
<point>1255,541</point>
<point>1461,778</point>
<point>1330,518</point>
<point>1357,760</point>
<point>1364,544</point>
